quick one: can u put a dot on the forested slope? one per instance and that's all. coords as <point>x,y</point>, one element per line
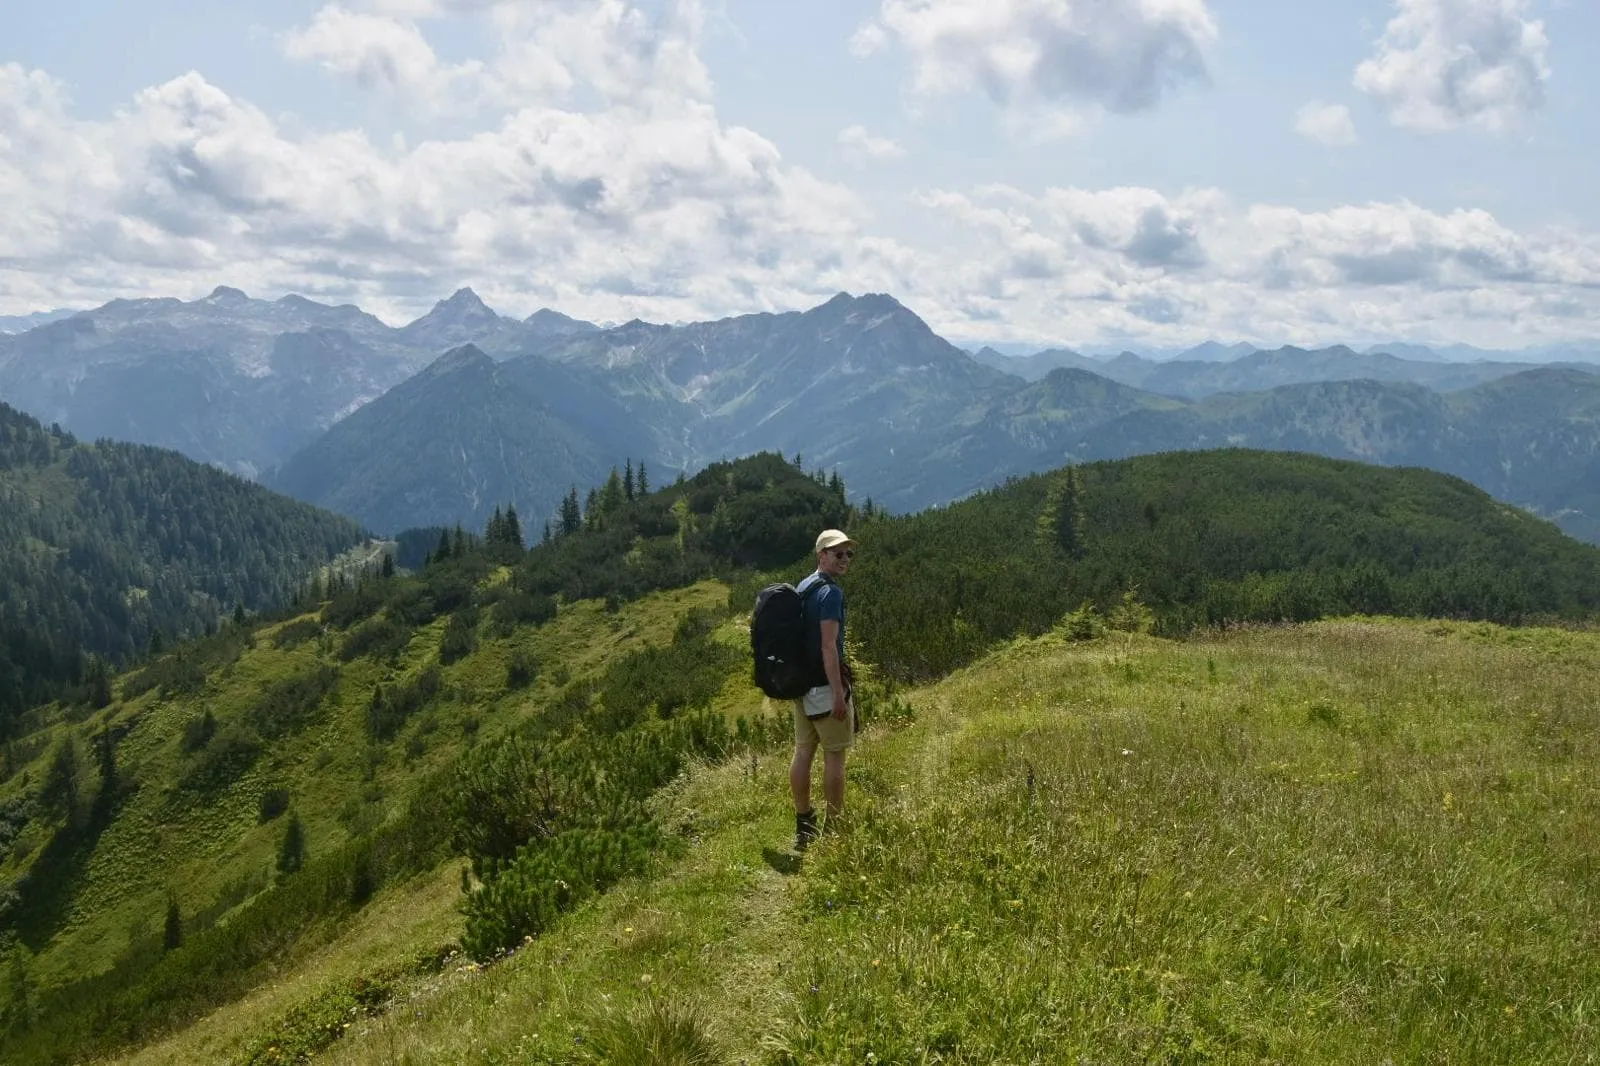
<point>103,546</point>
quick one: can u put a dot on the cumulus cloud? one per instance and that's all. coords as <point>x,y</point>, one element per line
<point>1328,124</point>
<point>857,141</point>
<point>664,214</point>
<point>547,52</point>
<point>615,189</point>
<point>1137,263</point>
<point>379,52</point>
<point>1076,55</point>
<point>1445,64</point>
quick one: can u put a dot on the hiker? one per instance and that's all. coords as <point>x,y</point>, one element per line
<point>825,716</point>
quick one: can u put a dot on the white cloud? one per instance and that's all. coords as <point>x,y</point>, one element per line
<point>1083,56</point>
<point>615,212</point>
<point>614,188</point>
<point>856,140</point>
<point>868,39</point>
<point>379,52</point>
<point>1444,64</point>
<point>547,51</point>
<point>1071,264</point>
<point>1328,124</point>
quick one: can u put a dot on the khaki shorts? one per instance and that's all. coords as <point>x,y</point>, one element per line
<point>827,732</point>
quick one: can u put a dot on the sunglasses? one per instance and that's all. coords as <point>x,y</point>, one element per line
<point>844,553</point>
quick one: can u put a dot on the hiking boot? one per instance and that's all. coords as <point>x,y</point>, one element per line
<point>805,829</point>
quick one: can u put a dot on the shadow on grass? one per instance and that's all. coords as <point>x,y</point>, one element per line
<point>785,862</point>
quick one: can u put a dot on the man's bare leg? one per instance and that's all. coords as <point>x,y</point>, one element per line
<point>833,781</point>
<point>800,778</point>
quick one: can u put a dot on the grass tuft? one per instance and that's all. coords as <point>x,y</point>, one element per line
<point>655,1032</point>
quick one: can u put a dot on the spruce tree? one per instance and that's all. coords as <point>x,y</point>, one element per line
<point>61,792</point>
<point>172,928</point>
<point>571,515</point>
<point>627,480</point>
<point>513,528</point>
<point>643,482</point>
<point>611,495</point>
<point>442,552</point>
<point>387,570</point>
<point>292,850</point>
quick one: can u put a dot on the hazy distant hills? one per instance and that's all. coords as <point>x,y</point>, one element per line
<point>233,381</point>
<point>1531,438</point>
<point>23,323</point>
<point>365,418</point>
<point>1256,370</point>
<point>465,436</point>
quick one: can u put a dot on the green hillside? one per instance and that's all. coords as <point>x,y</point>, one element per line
<point>1278,844</point>
<point>105,545</point>
<point>526,805</point>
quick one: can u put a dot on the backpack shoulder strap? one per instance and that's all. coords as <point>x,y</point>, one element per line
<point>810,586</point>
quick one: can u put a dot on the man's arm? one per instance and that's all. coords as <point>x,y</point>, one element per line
<point>831,666</point>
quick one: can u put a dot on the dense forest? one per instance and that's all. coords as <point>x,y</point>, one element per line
<point>106,548</point>
<point>1205,538</point>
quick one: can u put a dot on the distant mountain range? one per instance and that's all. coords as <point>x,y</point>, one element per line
<point>240,383</point>
<point>23,323</point>
<point>333,406</point>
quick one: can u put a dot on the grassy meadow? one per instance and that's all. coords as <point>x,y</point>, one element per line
<point>1349,841</point>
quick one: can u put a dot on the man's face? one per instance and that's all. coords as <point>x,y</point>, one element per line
<point>835,561</point>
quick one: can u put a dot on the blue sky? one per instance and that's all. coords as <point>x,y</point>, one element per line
<point>1085,172</point>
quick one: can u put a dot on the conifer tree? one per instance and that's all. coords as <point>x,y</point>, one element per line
<point>1060,523</point>
<point>98,683</point>
<point>292,850</point>
<point>458,544</point>
<point>571,515</point>
<point>643,486</point>
<point>172,928</point>
<point>387,570</point>
<point>513,528</point>
<point>591,509</point>
<point>627,481</point>
<point>442,552</point>
<point>611,495</point>
<point>62,790</point>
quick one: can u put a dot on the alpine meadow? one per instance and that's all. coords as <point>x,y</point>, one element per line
<point>1149,775</point>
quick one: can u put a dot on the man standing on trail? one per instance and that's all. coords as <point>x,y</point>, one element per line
<point>825,716</point>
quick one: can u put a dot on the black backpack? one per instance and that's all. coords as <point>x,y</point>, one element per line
<point>784,670</point>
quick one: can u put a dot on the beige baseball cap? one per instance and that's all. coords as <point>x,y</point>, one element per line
<point>832,538</point>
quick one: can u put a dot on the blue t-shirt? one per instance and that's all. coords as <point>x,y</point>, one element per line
<point>825,603</point>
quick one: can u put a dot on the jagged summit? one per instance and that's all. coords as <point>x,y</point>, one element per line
<point>463,305</point>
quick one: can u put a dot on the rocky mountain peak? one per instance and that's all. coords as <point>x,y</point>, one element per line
<point>227,296</point>
<point>465,302</point>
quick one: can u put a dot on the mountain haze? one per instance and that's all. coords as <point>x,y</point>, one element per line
<point>460,439</point>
